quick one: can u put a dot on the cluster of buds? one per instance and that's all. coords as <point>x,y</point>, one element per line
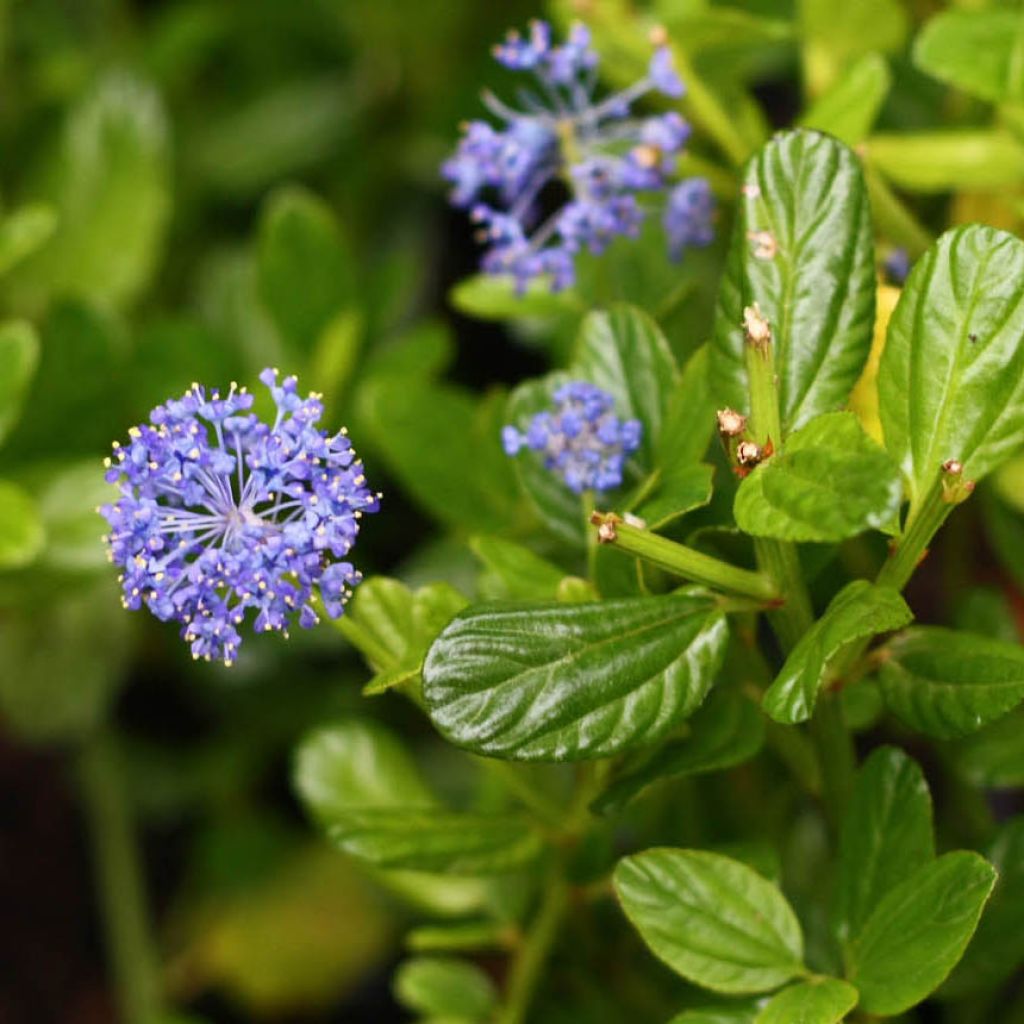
<point>955,489</point>
<point>743,451</point>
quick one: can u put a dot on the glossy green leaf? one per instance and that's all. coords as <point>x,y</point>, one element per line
<point>849,109</point>
<point>393,626</point>
<point>463,431</point>
<point>679,488</point>
<point>25,230</point>
<point>515,572</point>
<point>369,797</point>
<point>820,1001</point>
<point>713,920</point>
<point>951,379</point>
<point>112,193</point>
<point>19,355</point>
<point>978,51</point>
<point>918,932</point>
<point>830,482</point>
<point>996,950</point>
<point>886,837</point>
<point>305,269</point>
<point>728,730</point>
<point>624,352</point>
<point>445,987</point>
<point>21,527</point>
<point>859,610</point>
<point>812,275</point>
<point>940,161</point>
<point>555,682</point>
<point>946,683</point>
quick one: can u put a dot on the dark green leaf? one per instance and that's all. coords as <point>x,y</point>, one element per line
<point>996,950</point>
<point>815,280</point>
<point>444,987</point>
<point>886,837</point>
<point>369,797</point>
<point>711,919</point>
<point>726,731</point>
<point>859,610</point>
<point>849,108</point>
<point>428,434</point>
<point>951,379</point>
<point>515,572</point>
<point>556,682</point>
<point>994,757</point>
<point>946,684</point>
<point>305,269</point>
<point>830,482</point>
<point>624,352</point>
<point>19,354</point>
<point>980,52</point>
<point>821,1001</point>
<point>21,527</point>
<point>918,932</point>
<point>938,161</point>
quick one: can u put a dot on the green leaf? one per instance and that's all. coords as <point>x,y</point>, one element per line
<point>679,489</point>
<point>68,498</point>
<point>428,434</point>
<point>725,732</point>
<point>980,52</point>
<point>21,529</point>
<point>19,355</point>
<point>25,230</point>
<point>492,297</point>
<point>849,109</point>
<point>362,788</point>
<point>515,572</point>
<point>741,1013</point>
<point>994,757</point>
<point>820,1001</point>
<point>996,951</point>
<point>859,610</point>
<point>946,683</point>
<point>455,990</point>
<point>112,193</point>
<point>886,837</point>
<point>713,920</point>
<point>393,627</point>
<point>951,378</point>
<point>830,482</point>
<point>818,286</point>
<point>624,352</point>
<point>305,269</point>
<point>558,508</point>
<point>554,682</point>
<point>837,34</point>
<point>918,932</point>
<point>940,161</point>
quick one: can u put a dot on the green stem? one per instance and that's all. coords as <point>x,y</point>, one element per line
<point>528,964</point>
<point>911,548</point>
<point>534,799</point>
<point>892,216</point>
<point>684,561</point>
<point>837,757</point>
<point>119,881</point>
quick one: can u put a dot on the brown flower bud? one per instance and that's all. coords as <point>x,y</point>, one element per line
<point>731,423</point>
<point>756,327</point>
<point>748,453</point>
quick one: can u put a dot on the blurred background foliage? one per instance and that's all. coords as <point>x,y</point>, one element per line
<point>193,190</point>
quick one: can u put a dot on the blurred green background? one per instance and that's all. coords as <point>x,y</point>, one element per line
<point>194,190</point>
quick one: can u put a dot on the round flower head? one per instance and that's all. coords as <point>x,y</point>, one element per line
<point>581,439</point>
<point>220,513</point>
<point>611,162</point>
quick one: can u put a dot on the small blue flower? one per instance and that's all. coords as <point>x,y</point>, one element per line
<point>897,265</point>
<point>608,159</point>
<point>221,514</point>
<point>689,216</point>
<point>581,439</point>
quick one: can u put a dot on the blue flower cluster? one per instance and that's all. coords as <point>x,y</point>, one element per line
<point>582,439</point>
<point>220,513</point>
<point>605,158</point>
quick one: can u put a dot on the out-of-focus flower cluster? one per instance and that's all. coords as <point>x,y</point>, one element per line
<point>221,513</point>
<point>581,439</point>
<point>609,162</point>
